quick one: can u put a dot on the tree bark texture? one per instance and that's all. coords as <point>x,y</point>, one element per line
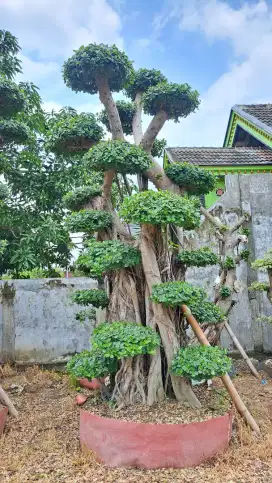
<point>182,390</point>
<point>155,389</point>
<point>153,130</point>
<point>106,98</point>
<point>124,298</point>
<point>137,119</point>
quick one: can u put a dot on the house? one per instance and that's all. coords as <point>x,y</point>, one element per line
<point>247,148</point>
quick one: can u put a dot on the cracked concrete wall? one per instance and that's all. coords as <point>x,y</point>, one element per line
<point>37,324</point>
<point>251,193</point>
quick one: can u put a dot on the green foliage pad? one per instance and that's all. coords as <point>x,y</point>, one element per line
<point>142,80</point>
<point>72,133</point>
<point>101,257</point>
<point>12,131</point>
<point>125,339</point>
<point>89,221</point>
<point>225,292</point>
<point>265,262</point>
<point>119,155</point>
<point>175,294</point>
<point>75,199</point>
<point>195,180</point>
<point>81,71</point>
<point>177,100</point>
<point>161,208</point>
<point>91,364</point>
<point>198,258</point>
<point>201,362</point>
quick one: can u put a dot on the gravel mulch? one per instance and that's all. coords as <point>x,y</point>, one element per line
<point>42,444</point>
<point>215,402</point>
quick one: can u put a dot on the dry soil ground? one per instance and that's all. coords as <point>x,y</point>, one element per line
<point>42,445</point>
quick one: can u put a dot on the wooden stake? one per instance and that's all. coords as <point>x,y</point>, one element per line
<point>6,400</point>
<point>225,379</point>
<point>242,351</point>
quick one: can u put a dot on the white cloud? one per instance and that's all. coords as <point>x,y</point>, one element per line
<point>218,20</point>
<point>48,31</point>
<point>56,28</point>
<point>37,70</point>
<point>51,106</point>
<point>249,77</point>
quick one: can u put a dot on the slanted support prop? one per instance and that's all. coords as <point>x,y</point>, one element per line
<point>238,402</point>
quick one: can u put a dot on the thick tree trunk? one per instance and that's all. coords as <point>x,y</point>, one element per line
<point>108,179</point>
<point>130,383</point>
<point>182,390</point>
<point>124,301</point>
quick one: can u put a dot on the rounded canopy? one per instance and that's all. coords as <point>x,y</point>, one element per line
<point>88,64</point>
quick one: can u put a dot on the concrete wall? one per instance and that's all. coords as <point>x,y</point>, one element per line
<point>251,193</point>
<point>37,319</point>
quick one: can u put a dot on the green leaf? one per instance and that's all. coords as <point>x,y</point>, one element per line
<point>201,362</point>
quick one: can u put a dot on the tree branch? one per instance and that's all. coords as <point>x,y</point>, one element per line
<point>214,221</point>
<point>158,177</point>
<point>156,173</point>
<point>153,130</point>
<point>137,119</point>
<point>138,135</point>
<point>239,223</point>
<point>107,100</point>
<point>128,188</point>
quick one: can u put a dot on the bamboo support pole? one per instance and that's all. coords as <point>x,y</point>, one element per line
<point>242,351</point>
<point>6,400</point>
<point>240,406</point>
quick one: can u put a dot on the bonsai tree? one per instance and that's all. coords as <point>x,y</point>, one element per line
<point>144,339</point>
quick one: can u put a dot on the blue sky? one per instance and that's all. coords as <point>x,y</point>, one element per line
<point>222,48</point>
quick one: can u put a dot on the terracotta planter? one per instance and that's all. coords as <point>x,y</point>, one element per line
<point>126,444</point>
<point>3,419</point>
<point>93,384</point>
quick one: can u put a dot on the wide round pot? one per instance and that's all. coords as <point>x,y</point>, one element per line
<point>3,419</point>
<point>127,444</point>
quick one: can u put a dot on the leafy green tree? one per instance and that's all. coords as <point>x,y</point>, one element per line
<point>35,179</point>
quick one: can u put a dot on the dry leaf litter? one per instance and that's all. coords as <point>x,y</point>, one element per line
<point>43,443</point>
